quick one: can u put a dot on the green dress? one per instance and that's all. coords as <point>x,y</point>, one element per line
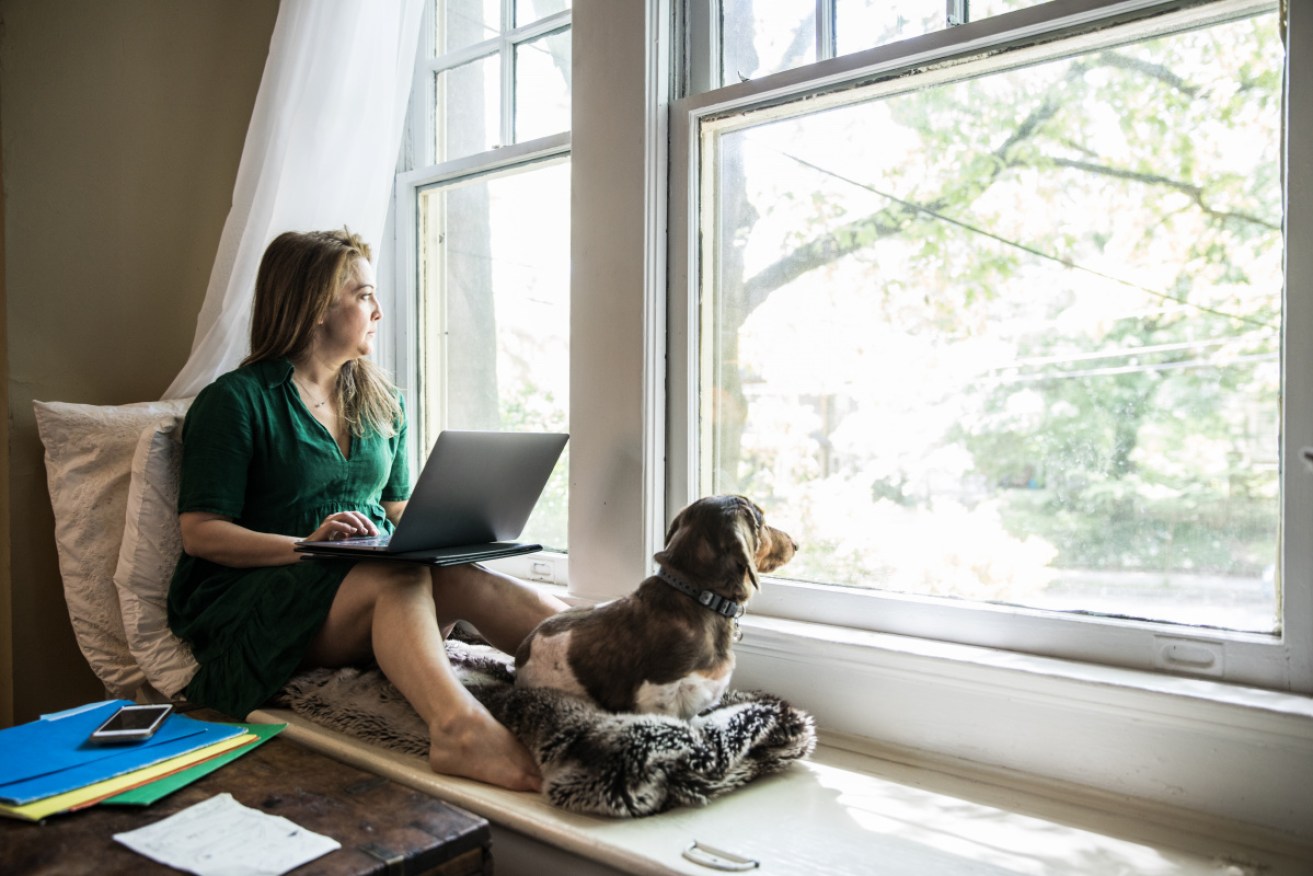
<point>253,452</point>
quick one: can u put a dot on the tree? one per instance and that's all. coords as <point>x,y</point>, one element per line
<point>973,190</point>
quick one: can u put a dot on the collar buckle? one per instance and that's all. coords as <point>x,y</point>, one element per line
<point>705,598</point>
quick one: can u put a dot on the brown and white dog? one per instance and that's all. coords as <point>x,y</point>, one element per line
<point>665,648</point>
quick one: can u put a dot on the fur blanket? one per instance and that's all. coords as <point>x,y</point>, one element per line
<point>595,762</point>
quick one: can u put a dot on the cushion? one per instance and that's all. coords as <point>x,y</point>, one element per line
<point>594,762</point>
<point>88,454</point>
<point>152,543</point>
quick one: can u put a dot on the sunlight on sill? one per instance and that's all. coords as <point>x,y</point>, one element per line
<point>956,832</point>
<point>836,814</point>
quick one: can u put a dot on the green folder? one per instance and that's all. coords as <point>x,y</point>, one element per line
<point>160,788</point>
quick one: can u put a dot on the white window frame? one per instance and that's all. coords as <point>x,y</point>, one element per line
<point>617,252</point>
<point>418,169</point>
<point>1146,738</point>
<point>1282,662</point>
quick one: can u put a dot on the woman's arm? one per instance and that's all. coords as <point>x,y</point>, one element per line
<point>393,510</point>
<point>218,539</point>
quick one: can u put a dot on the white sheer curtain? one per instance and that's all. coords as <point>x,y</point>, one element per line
<point>320,153</point>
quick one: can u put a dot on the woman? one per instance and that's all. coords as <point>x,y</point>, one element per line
<point>307,440</point>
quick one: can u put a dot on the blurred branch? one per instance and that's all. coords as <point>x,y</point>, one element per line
<point>858,234</point>
<point>1195,192</point>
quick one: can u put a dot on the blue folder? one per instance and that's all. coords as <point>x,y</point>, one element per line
<point>52,755</point>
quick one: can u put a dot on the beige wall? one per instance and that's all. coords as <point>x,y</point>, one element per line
<point>6,615</point>
<point>122,125</point>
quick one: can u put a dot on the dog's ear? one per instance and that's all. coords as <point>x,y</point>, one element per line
<point>684,544</point>
<point>745,544</point>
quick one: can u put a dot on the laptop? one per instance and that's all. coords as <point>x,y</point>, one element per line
<point>472,499</point>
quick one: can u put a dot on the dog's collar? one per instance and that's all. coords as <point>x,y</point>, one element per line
<point>705,598</point>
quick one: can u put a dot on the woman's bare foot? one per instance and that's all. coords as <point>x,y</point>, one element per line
<point>476,746</point>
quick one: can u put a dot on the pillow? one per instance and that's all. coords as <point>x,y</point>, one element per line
<point>152,544</point>
<point>88,454</point>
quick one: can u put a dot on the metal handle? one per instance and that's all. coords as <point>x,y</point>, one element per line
<point>717,859</point>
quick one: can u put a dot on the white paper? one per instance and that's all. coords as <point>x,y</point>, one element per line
<point>221,837</point>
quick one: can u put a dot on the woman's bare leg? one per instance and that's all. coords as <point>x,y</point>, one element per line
<point>503,609</point>
<point>388,610</point>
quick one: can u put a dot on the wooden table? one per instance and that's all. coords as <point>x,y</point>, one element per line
<point>383,827</point>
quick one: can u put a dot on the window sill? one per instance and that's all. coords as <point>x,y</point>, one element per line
<point>833,814</point>
<point>1110,737</point>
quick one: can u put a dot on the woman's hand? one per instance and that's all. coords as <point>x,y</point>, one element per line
<point>343,524</point>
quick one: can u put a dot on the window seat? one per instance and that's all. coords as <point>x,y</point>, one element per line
<point>839,813</point>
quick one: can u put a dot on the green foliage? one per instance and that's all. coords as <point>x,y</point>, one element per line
<point>526,407</point>
<point>1141,437</point>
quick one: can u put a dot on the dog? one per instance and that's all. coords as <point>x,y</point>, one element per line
<point>665,648</point>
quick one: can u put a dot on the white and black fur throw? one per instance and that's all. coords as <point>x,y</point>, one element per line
<point>596,762</point>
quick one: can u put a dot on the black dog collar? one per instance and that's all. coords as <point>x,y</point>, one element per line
<point>705,598</point>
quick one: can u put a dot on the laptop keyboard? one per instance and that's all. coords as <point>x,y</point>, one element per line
<point>366,541</point>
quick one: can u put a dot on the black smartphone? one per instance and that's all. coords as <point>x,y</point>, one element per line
<point>131,724</point>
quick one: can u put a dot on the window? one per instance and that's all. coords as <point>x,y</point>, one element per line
<point>992,319</point>
<point>489,248</point>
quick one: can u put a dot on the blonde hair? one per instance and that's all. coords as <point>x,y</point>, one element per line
<point>299,278</point>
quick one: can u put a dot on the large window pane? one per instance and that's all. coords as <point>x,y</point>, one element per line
<point>542,86</point>
<point>496,315</point>
<point>1013,337</point>
<point>468,117</point>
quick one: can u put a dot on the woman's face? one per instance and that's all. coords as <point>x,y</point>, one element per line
<point>349,326</point>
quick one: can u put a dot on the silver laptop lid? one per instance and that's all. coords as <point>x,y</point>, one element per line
<point>477,487</point>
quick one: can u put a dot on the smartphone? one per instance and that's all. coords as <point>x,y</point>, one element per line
<point>131,724</point>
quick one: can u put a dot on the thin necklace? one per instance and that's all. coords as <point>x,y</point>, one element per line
<point>317,403</point>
